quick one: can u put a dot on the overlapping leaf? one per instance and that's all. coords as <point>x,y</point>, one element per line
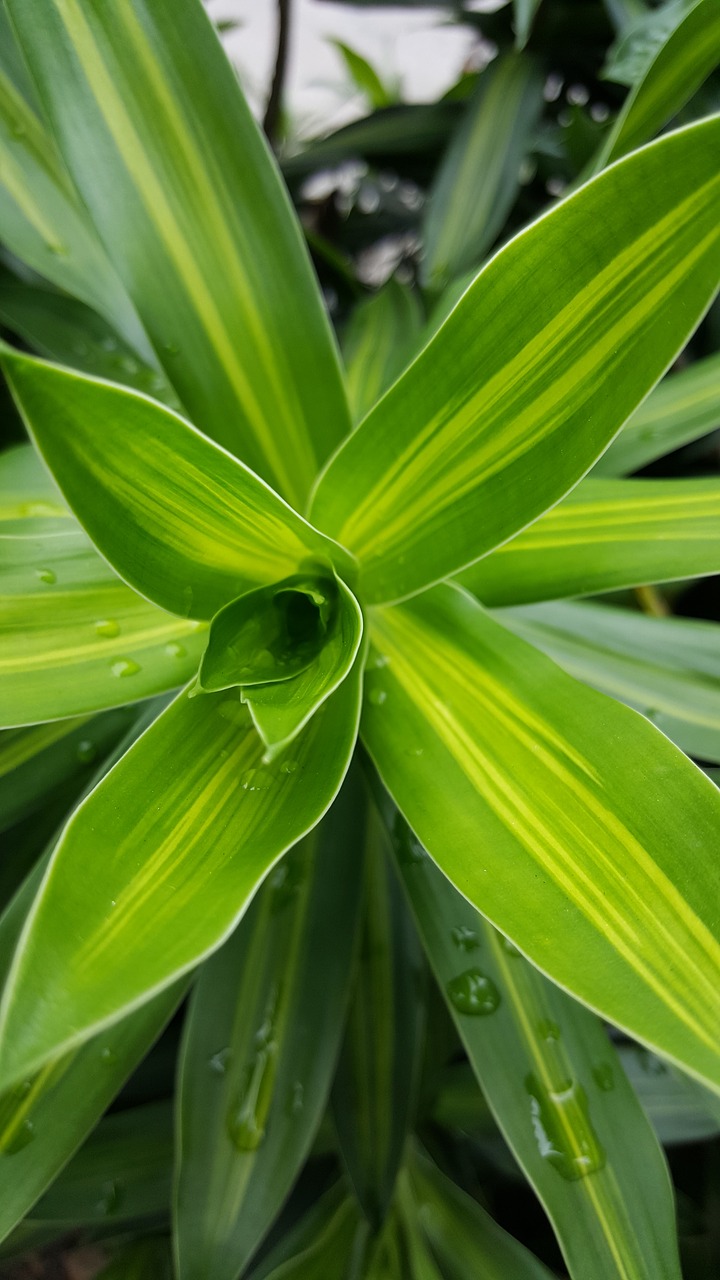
<point>151,124</point>
<point>505,409</point>
<point>519,787</point>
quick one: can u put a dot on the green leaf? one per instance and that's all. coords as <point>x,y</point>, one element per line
<point>606,534</point>
<point>542,360</point>
<point>685,59</point>
<point>525,11</point>
<point>64,329</point>
<point>74,638</point>
<point>27,491</point>
<point>668,668</point>
<point>680,1109</point>
<point>376,1083</point>
<point>122,1173</point>
<point>39,760</point>
<point>319,1245</point>
<point>141,1260</point>
<point>567,819</point>
<point>178,180</point>
<point>364,76</point>
<point>260,1047</point>
<point>478,179</point>
<point>464,1238</point>
<point>555,1086</point>
<point>180,519</point>
<point>682,408</point>
<point>379,342</point>
<point>44,223</point>
<point>643,34</point>
<point>179,834</point>
<point>44,1118</point>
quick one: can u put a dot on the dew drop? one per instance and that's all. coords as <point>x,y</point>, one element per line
<point>57,248</point>
<point>108,1056</point>
<point>288,766</point>
<point>110,1198</point>
<point>175,650</point>
<point>18,1138</point>
<point>296,1100</point>
<point>604,1077</point>
<point>548,1030</point>
<point>124,667</point>
<point>473,993</point>
<point>563,1130</point>
<point>377,697</point>
<point>509,947</point>
<point>128,365</point>
<point>464,938</point>
<point>46,575</point>
<point>171,348</point>
<point>414,751</point>
<point>86,751</point>
<point>246,1117</point>
<point>219,1061</point>
<point>108,343</point>
<point>256,780</point>
<point>108,628</point>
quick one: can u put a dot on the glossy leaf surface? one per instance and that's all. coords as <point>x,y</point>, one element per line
<point>378,343</point>
<point>178,180</point>
<point>521,792</point>
<point>45,224</point>
<point>606,534</point>
<point>534,371</point>
<point>683,407</point>
<point>479,176</point>
<point>555,1085</point>
<point>668,668</point>
<point>260,1047</point>
<point>74,638</point>
<point>179,518</point>
<point>27,491</point>
<point>375,1087</point>
<point>180,833</point>
<point>683,62</point>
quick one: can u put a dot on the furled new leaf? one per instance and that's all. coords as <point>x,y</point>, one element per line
<point>566,818</point>
<point>179,835</point>
<point>152,125</point>
<point>604,535</point>
<point>180,519</point>
<point>534,371</point>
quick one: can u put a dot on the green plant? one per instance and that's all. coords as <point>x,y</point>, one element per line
<point>216,524</point>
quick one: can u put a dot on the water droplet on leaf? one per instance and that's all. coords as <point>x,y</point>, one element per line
<point>108,1056</point>
<point>473,993</point>
<point>256,780</point>
<point>296,1101</point>
<point>108,628</point>
<point>464,938</point>
<point>548,1030</point>
<point>124,667</point>
<point>288,766</point>
<point>110,1198</point>
<point>563,1130</point>
<point>46,575</point>
<point>377,697</point>
<point>86,751</point>
<point>604,1077</point>
<point>18,1138</point>
<point>174,650</point>
<point>219,1061</point>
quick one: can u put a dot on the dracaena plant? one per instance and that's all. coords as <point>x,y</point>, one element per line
<point>217,527</point>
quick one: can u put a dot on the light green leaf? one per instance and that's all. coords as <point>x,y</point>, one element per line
<point>668,668</point>
<point>27,491</point>
<point>74,638</point>
<point>364,76</point>
<point>180,519</point>
<point>643,32</point>
<point>43,1119</point>
<point>682,408</point>
<point>260,1047</point>
<point>606,534</point>
<point>479,177</point>
<point>179,835</point>
<point>379,342</point>
<point>155,132</point>
<point>464,1238</point>
<point>375,1087</point>
<point>685,59</point>
<point>44,223</point>
<point>566,818</point>
<point>545,356</point>
<point>64,329</point>
<point>555,1086</point>
<point>39,760</point>
<point>525,11</point>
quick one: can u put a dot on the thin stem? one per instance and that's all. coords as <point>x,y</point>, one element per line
<point>274,103</point>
